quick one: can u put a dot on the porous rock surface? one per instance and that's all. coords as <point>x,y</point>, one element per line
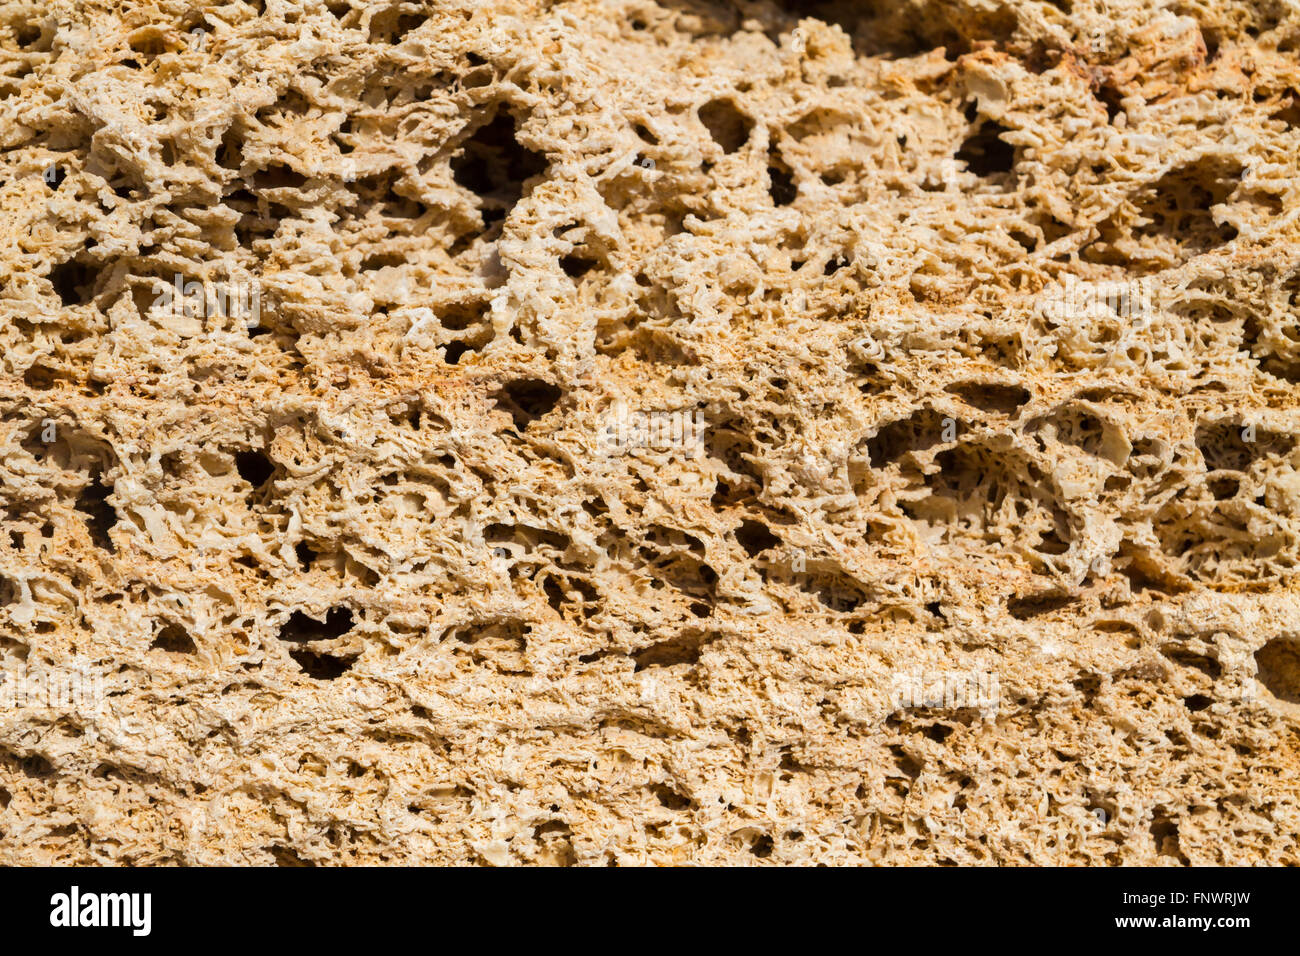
<point>363,578</point>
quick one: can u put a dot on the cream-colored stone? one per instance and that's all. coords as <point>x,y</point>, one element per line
<point>404,544</point>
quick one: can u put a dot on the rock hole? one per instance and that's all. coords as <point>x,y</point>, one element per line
<point>1164,832</point>
<point>1178,206</point>
<point>921,430</point>
<point>576,266</point>
<point>498,637</point>
<point>1278,664</point>
<point>73,282</point>
<point>1070,426</point>
<point>905,762</point>
<point>459,317</point>
<point>278,176</point>
<point>342,137</point>
<point>1089,686</point>
<point>494,165</point>
<point>1225,448</point>
<point>683,649</point>
<point>1144,574</point>
<point>230,155</point>
<point>36,766</point>
<point>382,260</point>
<point>729,127</point>
<point>392,27</point>
<point>1213,40</point>
<point>1003,399</point>
<point>839,592</point>
<point>254,467</point>
<point>149,45</point>
<point>286,856</point>
<point>1034,605</point>
<point>985,153</point>
<point>939,733</point>
<point>755,537</point>
<point>175,640</point>
<point>100,515</point>
<point>40,378</point>
<point>834,264</point>
<point>670,798</point>
<point>1112,99</point>
<point>321,666</point>
<point>1224,488</point>
<point>527,400</point>
<point>301,628</point>
<point>1052,543</point>
<point>888,29</point>
<point>781,185</point>
<point>28,36</point>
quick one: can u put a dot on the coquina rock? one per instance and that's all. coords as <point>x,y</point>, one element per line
<point>649,431</point>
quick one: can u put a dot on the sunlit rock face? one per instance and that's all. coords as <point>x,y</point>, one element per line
<point>623,432</point>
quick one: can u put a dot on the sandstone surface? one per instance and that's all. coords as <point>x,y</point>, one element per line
<point>649,432</point>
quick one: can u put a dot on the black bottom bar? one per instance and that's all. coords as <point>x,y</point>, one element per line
<point>946,906</point>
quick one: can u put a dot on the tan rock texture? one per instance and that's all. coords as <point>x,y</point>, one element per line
<point>630,432</point>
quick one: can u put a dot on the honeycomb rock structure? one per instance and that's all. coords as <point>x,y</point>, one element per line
<point>606,432</point>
